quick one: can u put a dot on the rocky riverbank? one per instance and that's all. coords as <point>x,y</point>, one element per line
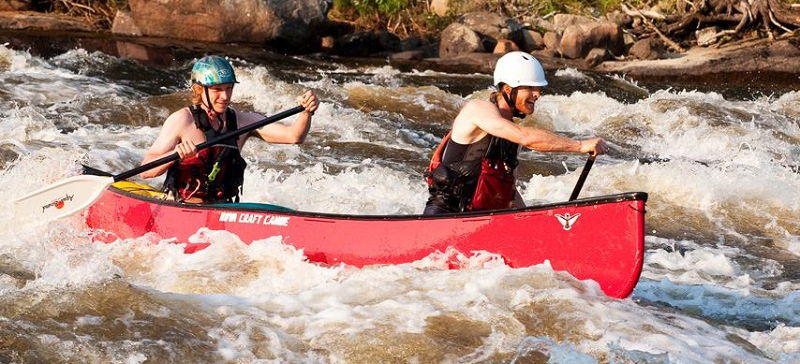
<point>618,42</point>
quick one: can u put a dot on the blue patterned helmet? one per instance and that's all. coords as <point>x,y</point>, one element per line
<point>212,70</point>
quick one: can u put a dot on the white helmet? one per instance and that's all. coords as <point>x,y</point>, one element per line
<point>519,69</point>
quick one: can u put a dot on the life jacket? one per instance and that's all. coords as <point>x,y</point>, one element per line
<point>486,183</point>
<point>214,174</point>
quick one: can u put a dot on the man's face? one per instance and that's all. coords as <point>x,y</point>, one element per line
<point>220,97</point>
<point>526,98</point>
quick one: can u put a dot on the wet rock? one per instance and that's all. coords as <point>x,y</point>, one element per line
<point>471,62</point>
<point>542,25</point>
<point>388,41</point>
<point>252,21</point>
<point>597,56</point>
<point>648,48</point>
<point>492,27</point>
<point>43,22</point>
<point>532,40</point>
<point>504,46</point>
<point>411,43</point>
<point>408,55</point>
<point>578,40</point>
<point>552,40</point>
<point>366,44</point>
<point>573,43</point>
<point>752,57</point>
<point>125,25</point>
<point>551,53</point>
<point>564,21</point>
<point>458,39</point>
<point>430,50</point>
<point>608,36</point>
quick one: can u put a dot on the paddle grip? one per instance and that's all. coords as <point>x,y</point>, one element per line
<point>208,143</point>
<point>582,178</point>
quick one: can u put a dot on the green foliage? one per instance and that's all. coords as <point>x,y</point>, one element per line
<point>436,24</point>
<point>368,7</point>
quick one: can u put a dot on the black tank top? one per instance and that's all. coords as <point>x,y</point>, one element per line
<point>456,152</point>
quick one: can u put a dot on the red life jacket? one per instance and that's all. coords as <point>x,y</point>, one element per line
<point>461,186</point>
<point>214,174</point>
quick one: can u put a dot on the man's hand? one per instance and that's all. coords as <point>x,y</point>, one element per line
<point>594,146</point>
<point>309,101</point>
<point>186,149</point>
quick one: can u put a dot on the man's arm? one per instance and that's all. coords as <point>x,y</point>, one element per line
<point>479,115</point>
<point>169,141</point>
<point>294,133</point>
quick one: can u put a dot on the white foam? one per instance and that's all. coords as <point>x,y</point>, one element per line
<point>727,167</point>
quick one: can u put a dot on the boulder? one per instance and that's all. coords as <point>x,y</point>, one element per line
<point>573,43</point>
<point>458,39</point>
<point>491,27</point>
<point>411,43</point>
<point>648,48</point>
<point>539,24</point>
<point>551,40</point>
<point>124,24</point>
<point>504,46</point>
<point>250,21</point>
<point>609,36</point>
<point>564,21</point>
<point>578,40</point>
<point>597,56</point>
<point>365,44</point>
<point>532,40</point>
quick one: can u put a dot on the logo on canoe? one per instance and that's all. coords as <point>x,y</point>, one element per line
<point>251,218</point>
<point>567,220</point>
<point>58,203</point>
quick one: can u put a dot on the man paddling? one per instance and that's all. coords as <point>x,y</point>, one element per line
<point>473,167</point>
<point>215,174</point>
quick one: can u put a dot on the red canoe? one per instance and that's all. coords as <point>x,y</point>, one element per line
<point>600,238</point>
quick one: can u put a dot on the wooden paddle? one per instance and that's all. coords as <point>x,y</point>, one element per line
<point>73,194</point>
<point>582,178</point>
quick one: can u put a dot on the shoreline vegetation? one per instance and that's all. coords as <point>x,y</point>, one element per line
<point>641,38</point>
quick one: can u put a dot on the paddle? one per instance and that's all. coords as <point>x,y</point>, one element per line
<point>76,193</point>
<point>582,178</point>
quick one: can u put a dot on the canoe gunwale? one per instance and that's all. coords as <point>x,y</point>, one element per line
<point>588,201</point>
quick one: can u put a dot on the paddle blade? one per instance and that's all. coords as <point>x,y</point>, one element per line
<point>61,199</point>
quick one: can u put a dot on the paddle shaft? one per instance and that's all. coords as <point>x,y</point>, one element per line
<point>208,143</point>
<point>582,178</point>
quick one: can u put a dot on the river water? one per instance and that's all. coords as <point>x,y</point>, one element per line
<point>721,281</point>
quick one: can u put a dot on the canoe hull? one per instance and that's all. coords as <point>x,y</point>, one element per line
<point>597,238</point>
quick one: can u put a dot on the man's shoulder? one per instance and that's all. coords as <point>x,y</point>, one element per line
<point>247,117</point>
<point>478,103</point>
<point>477,108</point>
<point>181,115</point>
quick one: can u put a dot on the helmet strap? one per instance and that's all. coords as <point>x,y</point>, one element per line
<point>211,110</point>
<point>511,100</point>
